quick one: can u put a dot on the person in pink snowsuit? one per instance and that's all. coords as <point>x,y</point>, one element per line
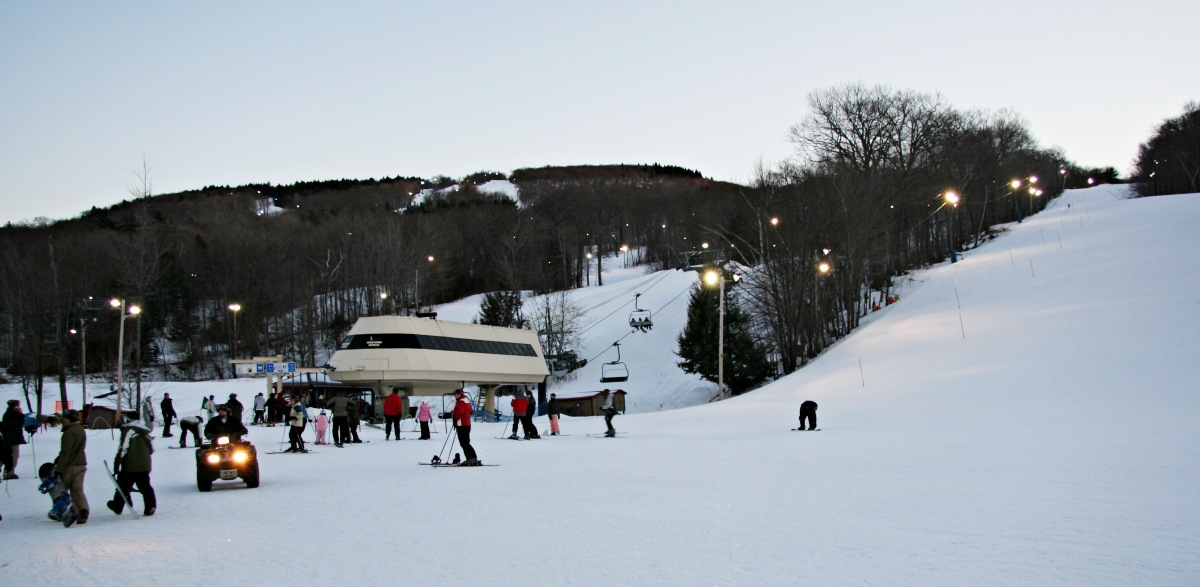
<point>423,417</point>
<point>320,424</point>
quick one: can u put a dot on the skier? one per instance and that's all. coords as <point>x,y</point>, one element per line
<point>260,408</point>
<point>272,410</point>
<point>353,409</point>
<point>552,411</point>
<point>189,424</point>
<point>168,413</point>
<point>424,417</point>
<point>299,421</point>
<point>531,431</point>
<point>320,425</point>
<point>71,462</point>
<point>61,509</point>
<point>132,467</point>
<point>519,406</point>
<point>610,410</point>
<point>462,426</point>
<point>10,427</point>
<point>392,406</point>
<point>808,410</point>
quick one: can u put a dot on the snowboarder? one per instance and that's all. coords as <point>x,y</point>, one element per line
<point>11,427</point>
<point>462,426</point>
<point>808,410</point>
<point>392,407</point>
<point>552,411</point>
<point>132,467</point>
<point>61,509</point>
<point>609,408</point>
<point>71,462</point>
<point>189,424</point>
<point>168,413</point>
<point>260,409</point>
<point>424,416</point>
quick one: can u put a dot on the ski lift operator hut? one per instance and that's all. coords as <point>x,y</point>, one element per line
<point>421,356</point>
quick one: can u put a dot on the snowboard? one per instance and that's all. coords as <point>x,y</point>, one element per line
<point>124,496</point>
<point>70,516</point>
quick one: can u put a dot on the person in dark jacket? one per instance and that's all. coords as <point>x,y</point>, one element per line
<point>808,411</point>
<point>352,412</point>
<point>132,468</point>
<point>338,405</point>
<point>552,411</point>
<point>531,431</point>
<point>224,425</point>
<point>235,408</point>
<point>11,427</point>
<point>167,407</point>
<point>71,462</point>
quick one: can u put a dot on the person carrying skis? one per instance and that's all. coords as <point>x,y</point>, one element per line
<point>808,411</point>
<point>189,424</point>
<point>168,413</point>
<point>609,408</point>
<point>552,411</point>
<point>424,417</point>
<point>132,467</point>
<point>462,426</point>
<point>392,408</point>
<point>71,462</point>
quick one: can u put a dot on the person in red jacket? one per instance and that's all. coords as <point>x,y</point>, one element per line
<point>392,408</point>
<point>462,425</point>
<point>519,404</point>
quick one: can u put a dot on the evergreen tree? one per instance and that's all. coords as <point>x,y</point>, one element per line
<point>501,308</point>
<point>746,364</point>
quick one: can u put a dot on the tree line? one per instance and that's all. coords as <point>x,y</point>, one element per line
<point>303,262</point>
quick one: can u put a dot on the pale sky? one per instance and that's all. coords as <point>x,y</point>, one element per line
<point>229,93</point>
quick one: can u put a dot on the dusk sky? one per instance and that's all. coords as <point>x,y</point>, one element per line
<point>229,93</point>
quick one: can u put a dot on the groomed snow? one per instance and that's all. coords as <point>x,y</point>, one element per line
<point>1023,417</point>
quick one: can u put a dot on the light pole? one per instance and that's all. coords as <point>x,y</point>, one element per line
<point>953,199</point>
<point>132,310</point>
<point>718,278</point>
<point>417,284</point>
<point>137,313</point>
<point>233,355</point>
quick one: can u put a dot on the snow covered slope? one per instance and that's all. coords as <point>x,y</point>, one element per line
<point>1023,417</point>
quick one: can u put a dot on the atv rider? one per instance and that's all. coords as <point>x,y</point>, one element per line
<point>224,425</point>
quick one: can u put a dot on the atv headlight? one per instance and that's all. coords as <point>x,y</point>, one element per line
<point>213,458</point>
<point>222,441</point>
<point>240,457</point>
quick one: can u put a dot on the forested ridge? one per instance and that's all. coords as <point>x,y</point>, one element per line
<point>866,193</point>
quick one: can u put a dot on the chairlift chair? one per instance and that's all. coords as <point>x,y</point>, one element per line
<point>616,371</point>
<point>640,319</point>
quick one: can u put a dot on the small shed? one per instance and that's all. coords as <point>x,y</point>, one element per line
<point>589,404</point>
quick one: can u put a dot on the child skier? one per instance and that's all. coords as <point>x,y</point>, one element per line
<point>52,484</point>
<point>320,425</point>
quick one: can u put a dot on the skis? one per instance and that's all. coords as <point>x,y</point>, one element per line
<point>465,466</point>
<point>605,435</point>
<point>121,492</point>
<point>810,430</point>
<point>282,452</point>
